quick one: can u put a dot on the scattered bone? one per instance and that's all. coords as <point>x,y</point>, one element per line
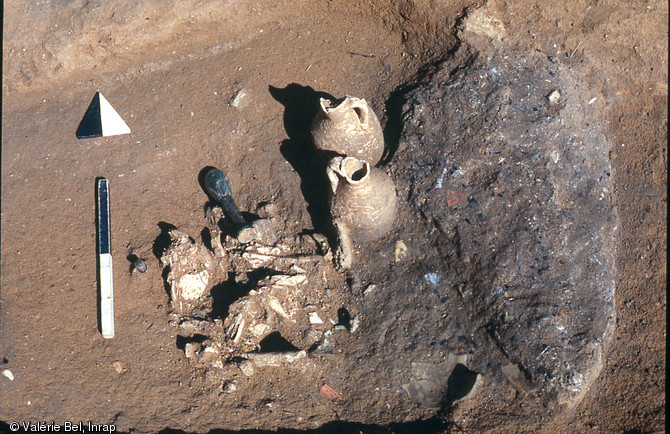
<point>264,232</point>
<point>192,326</point>
<point>275,304</point>
<point>7,373</point>
<point>262,360</point>
<point>297,359</point>
<point>216,243</point>
<point>213,216</point>
<point>207,354</point>
<point>191,350</point>
<point>211,355</point>
<point>262,255</point>
<point>235,329</point>
<point>275,251</point>
<point>191,266</point>
<point>298,270</point>
<point>260,330</point>
<point>277,307</point>
<point>285,281</point>
<point>239,330</point>
<point>248,321</point>
<point>192,286</point>
<point>247,368</point>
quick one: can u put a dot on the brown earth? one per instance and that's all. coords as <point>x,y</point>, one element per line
<point>171,71</point>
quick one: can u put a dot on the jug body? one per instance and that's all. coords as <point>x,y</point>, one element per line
<point>364,198</point>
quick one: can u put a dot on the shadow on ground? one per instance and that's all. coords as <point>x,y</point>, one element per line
<point>431,426</point>
<point>301,103</point>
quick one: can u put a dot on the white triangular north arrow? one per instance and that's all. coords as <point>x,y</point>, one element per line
<point>112,124</point>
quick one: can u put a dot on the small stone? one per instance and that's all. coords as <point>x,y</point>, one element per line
<point>229,386</point>
<point>554,97</point>
<point>7,373</point>
<point>321,241</point>
<point>432,278</point>
<point>481,22</point>
<point>140,265</point>
<point>268,210</point>
<point>120,367</point>
<point>354,324</point>
<point>400,251</point>
<point>240,99</point>
<point>370,289</point>
<point>313,336</point>
<point>355,284</point>
<point>314,318</point>
<point>327,345</point>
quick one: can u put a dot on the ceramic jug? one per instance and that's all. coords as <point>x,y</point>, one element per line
<point>348,127</point>
<point>363,204</point>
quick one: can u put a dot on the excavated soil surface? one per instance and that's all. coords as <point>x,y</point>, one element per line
<point>521,288</point>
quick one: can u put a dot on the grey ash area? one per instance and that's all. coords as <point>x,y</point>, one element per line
<point>504,183</point>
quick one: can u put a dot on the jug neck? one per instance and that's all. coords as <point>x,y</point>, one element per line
<point>344,108</point>
<point>355,171</point>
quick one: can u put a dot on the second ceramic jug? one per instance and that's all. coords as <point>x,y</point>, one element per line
<point>348,127</point>
<point>363,200</point>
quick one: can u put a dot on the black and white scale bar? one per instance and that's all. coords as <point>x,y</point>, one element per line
<point>105,261</point>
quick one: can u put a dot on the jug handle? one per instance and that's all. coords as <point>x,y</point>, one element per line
<point>334,171</point>
<point>361,108</point>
